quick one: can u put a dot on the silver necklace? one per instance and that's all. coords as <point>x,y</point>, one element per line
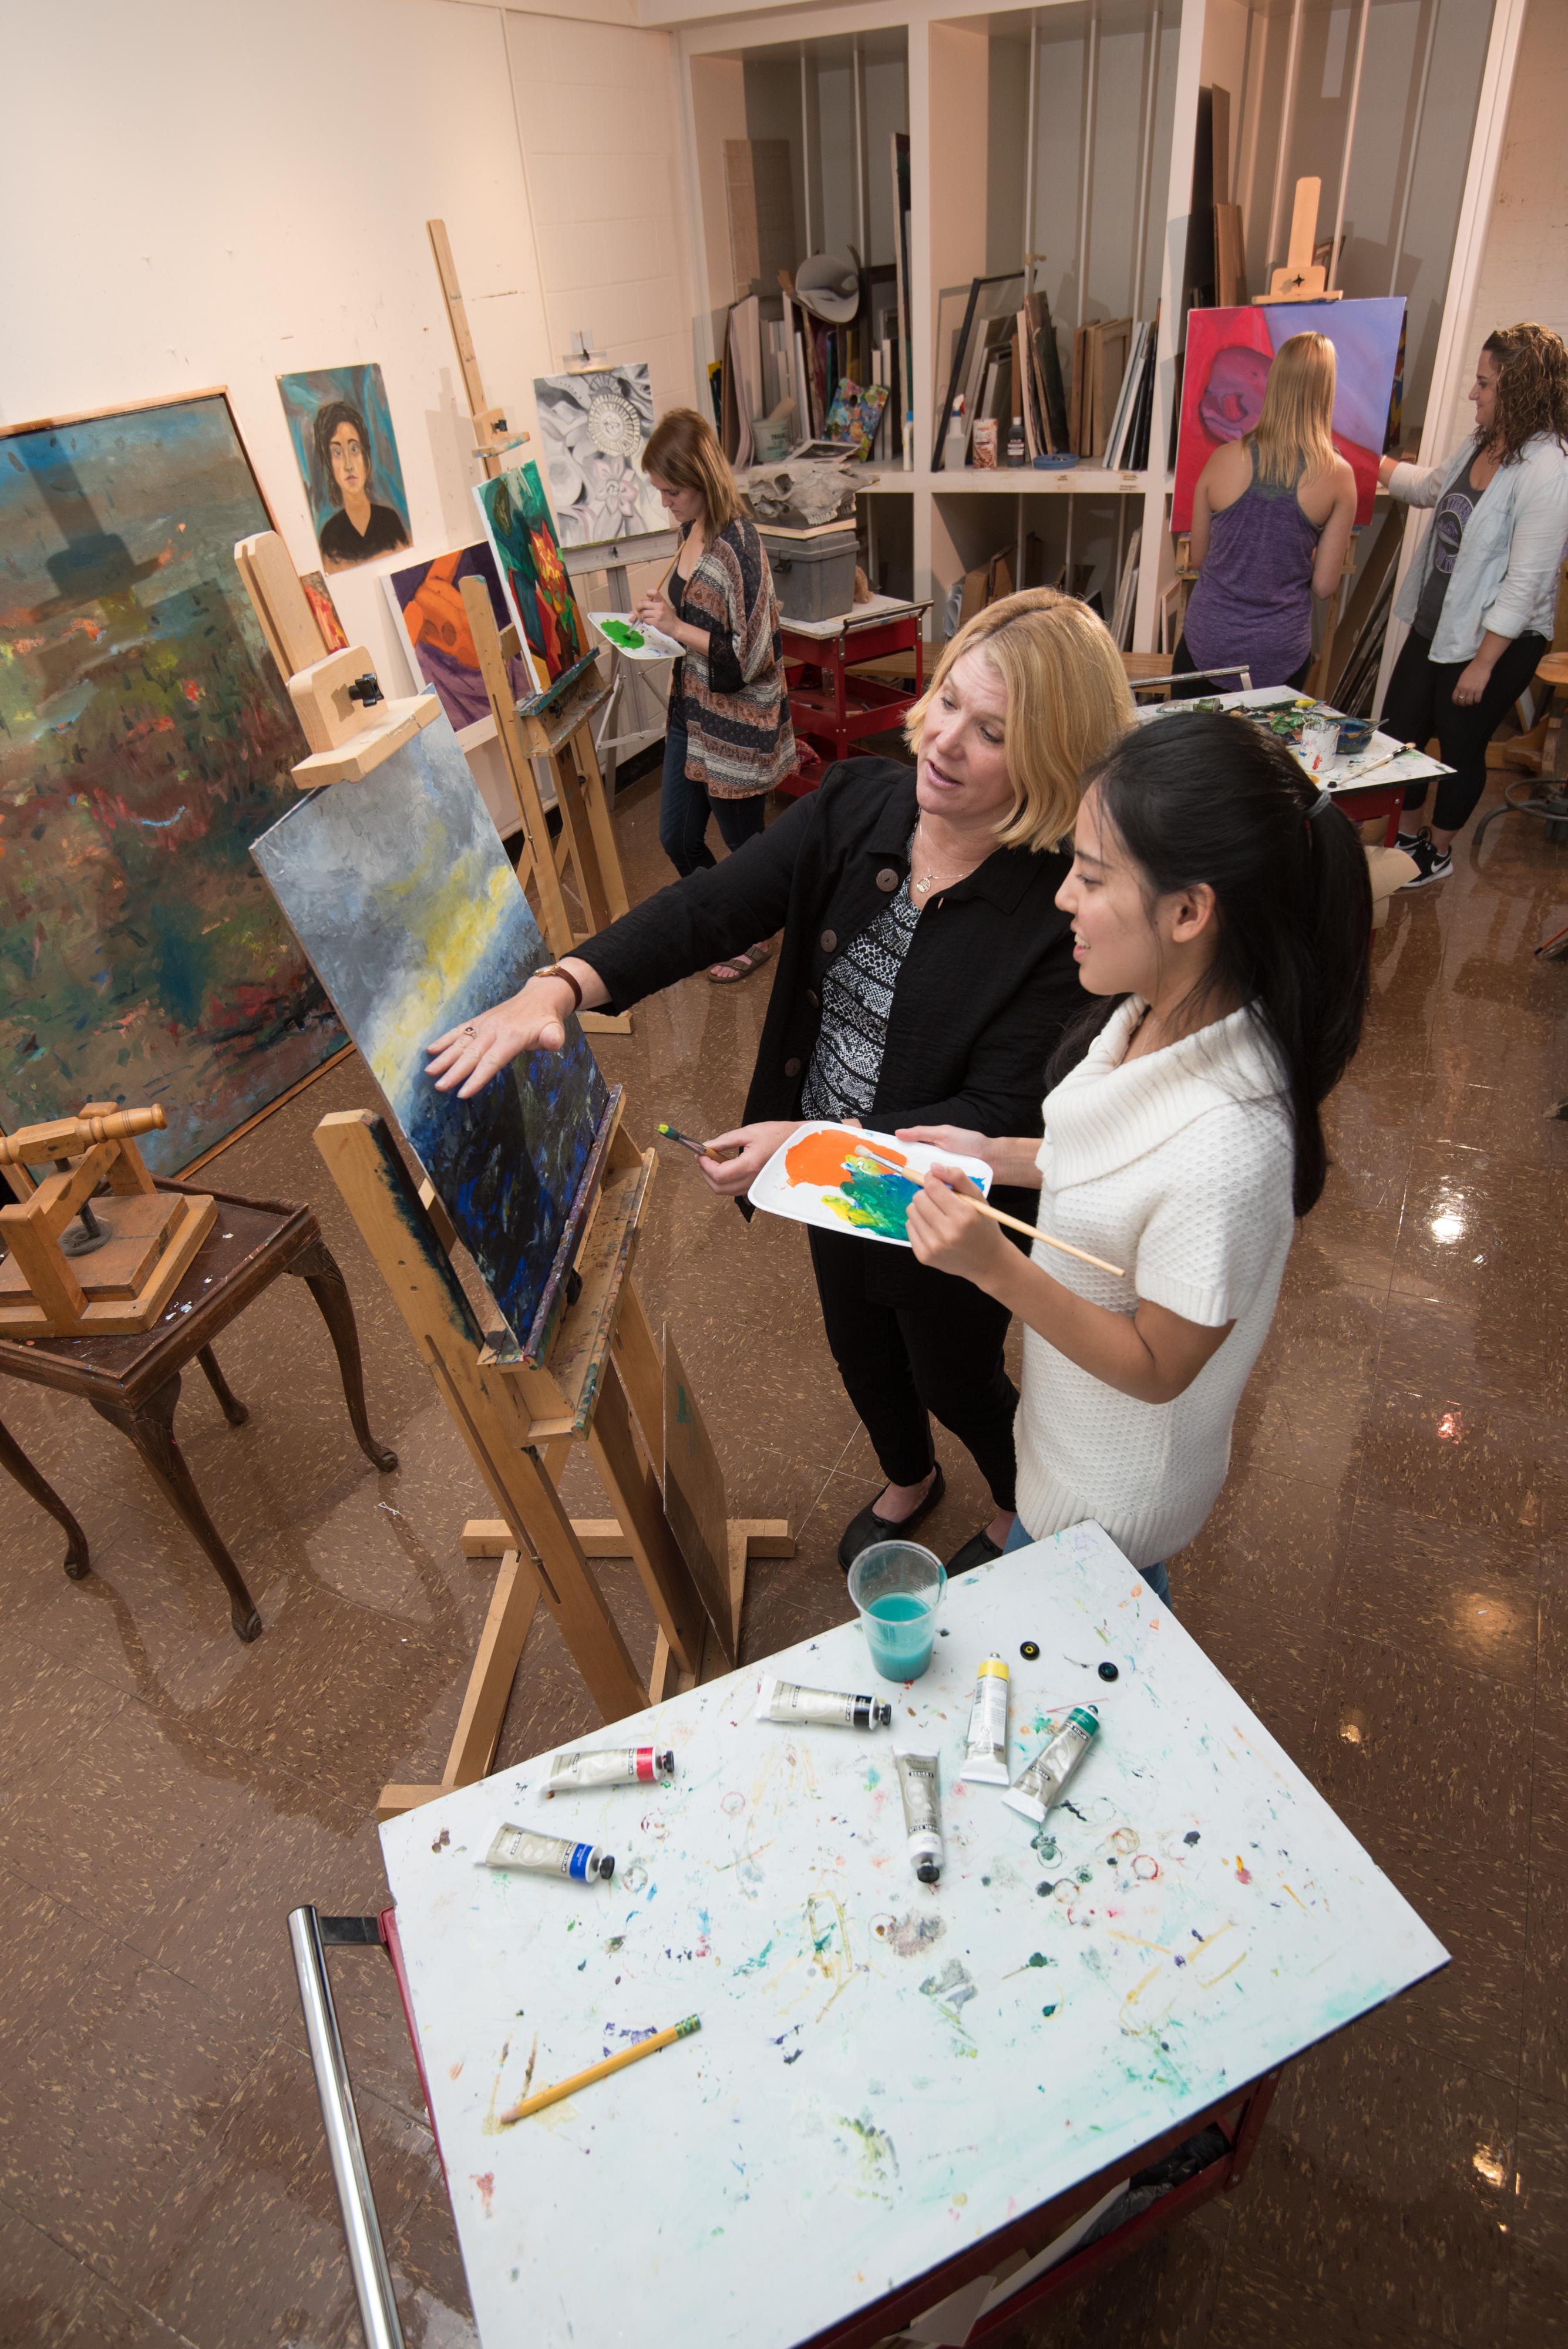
<point>924,882</point>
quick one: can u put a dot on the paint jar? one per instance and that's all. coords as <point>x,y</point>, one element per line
<point>897,1587</point>
<point>1320,745</point>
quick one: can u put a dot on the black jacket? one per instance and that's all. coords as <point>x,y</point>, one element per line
<point>983,994</point>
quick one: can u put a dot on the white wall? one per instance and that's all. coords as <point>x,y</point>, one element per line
<point>245,194</point>
<point>1524,270</point>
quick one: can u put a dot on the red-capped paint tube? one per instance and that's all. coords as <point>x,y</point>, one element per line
<point>615,1765</point>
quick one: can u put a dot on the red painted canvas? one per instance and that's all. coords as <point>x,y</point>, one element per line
<point>1228,354</point>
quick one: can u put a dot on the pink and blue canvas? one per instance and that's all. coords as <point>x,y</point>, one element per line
<point>1228,354</point>
<point>145,740</point>
<point>400,893</point>
<point>347,452</point>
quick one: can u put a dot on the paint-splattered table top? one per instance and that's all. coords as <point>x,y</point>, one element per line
<point>886,2074</point>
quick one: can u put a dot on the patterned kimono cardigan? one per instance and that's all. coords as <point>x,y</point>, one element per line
<point>739,738</point>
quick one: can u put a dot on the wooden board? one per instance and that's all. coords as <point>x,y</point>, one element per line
<point>694,1500</point>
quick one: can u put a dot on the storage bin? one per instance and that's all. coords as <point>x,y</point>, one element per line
<point>814,572</point>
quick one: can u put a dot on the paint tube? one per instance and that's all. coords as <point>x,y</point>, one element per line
<point>617,1765</point>
<point>922,1813</point>
<point>985,1761</point>
<point>829,1708</point>
<point>1041,1781</point>
<point>542,1854</point>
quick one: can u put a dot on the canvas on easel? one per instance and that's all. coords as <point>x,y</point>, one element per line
<point>595,427</point>
<point>403,897</point>
<point>517,520</point>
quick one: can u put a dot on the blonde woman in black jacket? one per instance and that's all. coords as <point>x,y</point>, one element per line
<point>925,974</point>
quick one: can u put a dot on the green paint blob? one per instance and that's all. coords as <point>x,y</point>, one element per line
<point>874,1198</point>
<point>629,640</point>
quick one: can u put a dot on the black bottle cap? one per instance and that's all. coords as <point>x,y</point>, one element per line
<point>929,1872</point>
<point>665,1764</point>
<point>1109,1672</point>
<point>606,1865</point>
<point>881,1715</point>
<point>1028,1651</point>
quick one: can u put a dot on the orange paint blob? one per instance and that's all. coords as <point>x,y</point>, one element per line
<point>823,1158</point>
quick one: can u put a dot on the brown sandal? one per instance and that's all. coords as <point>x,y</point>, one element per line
<point>736,967</point>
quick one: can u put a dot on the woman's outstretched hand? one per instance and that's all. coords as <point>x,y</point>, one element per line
<point>530,1022</point>
<point>753,1147</point>
<point>945,1231</point>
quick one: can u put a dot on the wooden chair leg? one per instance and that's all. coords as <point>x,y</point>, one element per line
<point>151,1429</point>
<point>318,1269</point>
<point>229,1404</point>
<point>13,1457</point>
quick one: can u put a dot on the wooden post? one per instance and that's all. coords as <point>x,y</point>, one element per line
<point>553,917</point>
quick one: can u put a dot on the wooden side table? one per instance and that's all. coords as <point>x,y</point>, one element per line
<point>134,1382</point>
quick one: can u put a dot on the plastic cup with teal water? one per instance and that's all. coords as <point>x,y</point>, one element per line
<point>897,1586</point>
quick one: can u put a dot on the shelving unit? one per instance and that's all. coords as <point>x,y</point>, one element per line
<point>1072,130</point>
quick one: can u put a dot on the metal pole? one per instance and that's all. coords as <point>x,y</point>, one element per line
<point>862,191</point>
<point>1030,163</point>
<point>1349,145</point>
<point>806,147</point>
<point>1282,161</point>
<point>1434,8</point>
<point>1091,75</point>
<point>361,2226</point>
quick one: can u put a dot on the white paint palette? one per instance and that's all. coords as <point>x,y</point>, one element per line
<point>885,2074</point>
<point>634,639</point>
<point>870,1207</point>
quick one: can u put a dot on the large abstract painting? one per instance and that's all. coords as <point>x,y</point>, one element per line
<point>517,519</point>
<point>427,602</point>
<point>400,893</point>
<point>595,427</point>
<point>145,740</point>
<point>1228,354</point>
<point>347,452</point>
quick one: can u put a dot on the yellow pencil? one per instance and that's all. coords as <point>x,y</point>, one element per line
<point>597,2071</point>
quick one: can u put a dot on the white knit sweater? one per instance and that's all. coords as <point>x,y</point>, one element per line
<point>1178,1167</point>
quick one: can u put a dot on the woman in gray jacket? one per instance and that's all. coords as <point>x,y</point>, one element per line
<point>1481,595</point>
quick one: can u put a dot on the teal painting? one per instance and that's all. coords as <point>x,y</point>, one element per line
<point>341,428</point>
<point>145,740</point>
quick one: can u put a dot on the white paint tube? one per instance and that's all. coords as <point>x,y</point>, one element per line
<point>922,1813</point>
<point>828,1708</point>
<point>1039,1782</point>
<point>618,1766</point>
<point>541,1854</point>
<point>985,1760</point>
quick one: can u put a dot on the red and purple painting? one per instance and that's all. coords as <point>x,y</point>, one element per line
<point>1228,354</point>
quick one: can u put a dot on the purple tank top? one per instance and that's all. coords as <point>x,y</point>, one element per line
<point>1252,601</point>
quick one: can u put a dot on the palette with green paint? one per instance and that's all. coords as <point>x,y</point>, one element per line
<point>838,1179</point>
<point>635,639</point>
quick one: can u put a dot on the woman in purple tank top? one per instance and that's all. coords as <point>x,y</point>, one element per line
<point>1272,518</point>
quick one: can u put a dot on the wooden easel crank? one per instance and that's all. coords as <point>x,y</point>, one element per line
<point>79,1267</point>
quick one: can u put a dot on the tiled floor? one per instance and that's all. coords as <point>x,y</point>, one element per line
<point>1384,1580</point>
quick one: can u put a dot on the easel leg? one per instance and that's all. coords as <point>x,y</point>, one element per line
<point>229,1404</point>
<point>600,821</point>
<point>639,1510</point>
<point>577,829</point>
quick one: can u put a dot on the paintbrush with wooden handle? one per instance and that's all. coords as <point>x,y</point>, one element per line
<point>863,1162</point>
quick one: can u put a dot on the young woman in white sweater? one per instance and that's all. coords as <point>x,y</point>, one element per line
<point>1221,917</point>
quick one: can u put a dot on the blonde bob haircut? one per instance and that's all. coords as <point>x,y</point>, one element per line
<point>1067,702</point>
<point>1294,433</point>
<point>683,450</point>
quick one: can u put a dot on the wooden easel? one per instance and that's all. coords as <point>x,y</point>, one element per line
<point>558,733</point>
<point>603,1384</point>
<point>1302,279</point>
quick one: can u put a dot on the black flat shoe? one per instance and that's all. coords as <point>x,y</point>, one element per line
<point>979,1550</point>
<point>868,1527</point>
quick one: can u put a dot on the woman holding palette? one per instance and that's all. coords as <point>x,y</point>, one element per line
<point>925,975</point>
<point>728,738</point>
<point>1221,919</point>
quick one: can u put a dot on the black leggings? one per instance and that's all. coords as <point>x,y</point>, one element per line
<point>899,1363</point>
<point>1420,703</point>
<point>1226,682</point>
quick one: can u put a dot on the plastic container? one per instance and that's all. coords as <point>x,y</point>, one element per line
<point>814,576</point>
<point>897,1587</point>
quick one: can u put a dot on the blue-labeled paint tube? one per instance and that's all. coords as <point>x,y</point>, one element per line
<point>541,1854</point>
<point>1039,1782</point>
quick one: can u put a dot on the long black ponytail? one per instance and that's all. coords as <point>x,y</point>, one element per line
<point>1217,799</point>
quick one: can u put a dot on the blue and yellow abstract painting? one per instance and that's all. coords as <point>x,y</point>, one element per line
<point>145,740</point>
<point>400,893</point>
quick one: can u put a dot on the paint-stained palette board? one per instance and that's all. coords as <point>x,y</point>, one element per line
<point>884,2074</point>
<point>838,1179</point>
